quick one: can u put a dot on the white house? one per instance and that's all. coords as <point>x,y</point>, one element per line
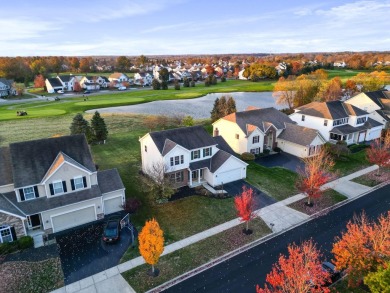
<point>6,87</point>
<point>67,81</point>
<point>338,121</point>
<point>142,78</point>
<point>340,64</point>
<point>90,83</point>
<point>376,103</point>
<point>255,130</point>
<point>190,156</point>
<point>241,75</point>
<point>118,77</point>
<point>53,85</point>
<point>50,185</point>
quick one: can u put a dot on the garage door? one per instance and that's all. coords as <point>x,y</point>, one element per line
<point>73,219</point>
<point>292,149</point>
<point>375,134</point>
<point>229,176</point>
<point>361,136</point>
<point>113,205</point>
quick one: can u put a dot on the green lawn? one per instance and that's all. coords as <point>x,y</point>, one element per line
<point>351,163</point>
<point>342,287</point>
<point>276,181</point>
<point>188,258</point>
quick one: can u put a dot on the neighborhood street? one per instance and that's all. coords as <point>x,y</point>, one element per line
<point>242,272</point>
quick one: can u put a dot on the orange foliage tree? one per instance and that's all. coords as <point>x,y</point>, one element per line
<point>77,87</point>
<point>363,248</point>
<point>301,271</point>
<point>315,174</point>
<point>39,81</point>
<point>151,242</point>
<point>244,204</point>
<point>379,152</point>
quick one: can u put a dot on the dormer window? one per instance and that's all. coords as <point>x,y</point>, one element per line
<point>361,120</point>
<point>207,152</point>
<point>57,187</point>
<point>195,155</point>
<point>28,193</point>
<point>78,183</point>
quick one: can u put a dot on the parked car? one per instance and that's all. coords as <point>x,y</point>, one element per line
<point>87,92</point>
<point>56,99</point>
<point>121,88</point>
<point>333,272</point>
<point>60,91</point>
<point>111,232</point>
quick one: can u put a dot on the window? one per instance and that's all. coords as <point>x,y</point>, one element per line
<point>78,183</point>
<point>195,155</point>
<point>361,120</point>
<point>207,152</point>
<point>255,151</point>
<point>182,159</point>
<point>325,122</point>
<point>256,139</point>
<point>177,160</point>
<point>5,234</point>
<point>177,177</point>
<point>303,117</point>
<point>237,136</point>
<point>57,187</point>
<point>146,149</point>
<point>29,193</point>
<point>350,136</point>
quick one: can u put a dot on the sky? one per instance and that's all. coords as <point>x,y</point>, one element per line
<point>172,27</point>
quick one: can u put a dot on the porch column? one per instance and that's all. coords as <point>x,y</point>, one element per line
<point>198,175</point>
<point>190,175</point>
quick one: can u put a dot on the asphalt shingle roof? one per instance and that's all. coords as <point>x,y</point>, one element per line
<point>188,137</point>
<point>32,159</point>
<point>55,82</point>
<point>65,78</point>
<point>8,207</point>
<point>376,97</point>
<point>298,134</point>
<point>347,129</point>
<point>223,145</point>
<point>109,180</point>
<point>5,166</point>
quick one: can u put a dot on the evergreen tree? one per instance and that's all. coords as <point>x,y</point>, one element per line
<point>81,126</point>
<point>222,107</point>
<point>99,128</point>
<point>186,82</point>
<point>215,114</point>
<point>231,106</point>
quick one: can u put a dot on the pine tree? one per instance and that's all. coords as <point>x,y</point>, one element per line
<point>231,106</point>
<point>81,126</point>
<point>222,107</point>
<point>215,114</point>
<point>99,128</point>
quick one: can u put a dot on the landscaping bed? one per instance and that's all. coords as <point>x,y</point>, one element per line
<point>372,179</point>
<point>328,199</point>
<point>188,258</point>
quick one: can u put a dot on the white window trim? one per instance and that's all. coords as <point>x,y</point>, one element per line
<point>24,193</point>
<point>54,190</point>
<point>82,182</point>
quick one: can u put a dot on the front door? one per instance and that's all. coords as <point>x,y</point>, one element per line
<point>34,221</point>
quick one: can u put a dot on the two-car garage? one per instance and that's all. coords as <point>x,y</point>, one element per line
<point>73,218</point>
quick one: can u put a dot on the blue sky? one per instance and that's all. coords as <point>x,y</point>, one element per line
<point>158,27</point>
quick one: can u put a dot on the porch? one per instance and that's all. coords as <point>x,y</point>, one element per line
<point>348,134</point>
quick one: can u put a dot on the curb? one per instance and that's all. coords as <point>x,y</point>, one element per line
<point>254,243</point>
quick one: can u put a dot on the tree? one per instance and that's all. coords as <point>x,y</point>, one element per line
<point>98,128</point>
<point>244,204</point>
<point>298,272</point>
<point>363,248</point>
<point>142,60</point>
<point>77,87</point>
<point>39,81</point>
<point>350,88</point>
<point>151,243</point>
<point>164,74</point>
<point>19,89</point>
<point>230,106</point>
<point>81,126</point>
<point>156,85</point>
<point>215,112</point>
<point>330,90</point>
<point>315,174</point>
<point>186,82</point>
<point>122,63</point>
<point>379,281</point>
<point>86,64</point>
<point>285,91</point>
<point>188,121</point>
<point>379,152</point>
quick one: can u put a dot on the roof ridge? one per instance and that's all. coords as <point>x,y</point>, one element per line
<point>13,204</point>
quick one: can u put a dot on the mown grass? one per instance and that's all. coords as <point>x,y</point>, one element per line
<point>342,287</point>
<point>277,182</point>
<point>188,258</point>
<point>351,163</point>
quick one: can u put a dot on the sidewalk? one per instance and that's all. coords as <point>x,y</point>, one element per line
<point>277,216</point>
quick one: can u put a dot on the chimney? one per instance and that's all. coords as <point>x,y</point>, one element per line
<point>216,132</point>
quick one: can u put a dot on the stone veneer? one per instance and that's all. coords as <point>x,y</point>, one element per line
<point>13,221</point>
<point>100,216</point>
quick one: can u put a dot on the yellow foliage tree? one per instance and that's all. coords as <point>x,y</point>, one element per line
<point>151,242</point>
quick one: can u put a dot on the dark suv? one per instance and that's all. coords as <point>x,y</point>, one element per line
<point>111,232</point>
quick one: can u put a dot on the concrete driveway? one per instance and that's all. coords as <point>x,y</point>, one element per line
<point>284,160</point>
<point>261,199</point>
<point>83,253</point>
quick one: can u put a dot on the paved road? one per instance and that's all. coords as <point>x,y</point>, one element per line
<point>242,272</point>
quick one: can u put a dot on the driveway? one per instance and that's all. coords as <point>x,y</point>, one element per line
<point>284,160</point>
<point>83,253</point>
<point>261,199</point>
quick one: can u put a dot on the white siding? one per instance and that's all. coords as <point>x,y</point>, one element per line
<point>374,133</point>
<point>233,169</point>
<point>113,205</point>
<point>228,131</point>
<point>363,102</point>
<point>252,145</point>
<point>314,122</point>
<point>296,149</point>
<point>151,155</point>
<point>177,151</point>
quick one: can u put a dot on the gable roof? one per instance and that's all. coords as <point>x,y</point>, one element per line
<point>32,159</point>
<point>298,134</point>
<point>7,207</point>
<point>104,78</point>
<point>223,145</point>
<point>261,118</point>
<point>5,166</point>
<point>65,78</point>
<point>109,180</point>
<point>213,163</point>
<point>117,75</point>
<point>188,137</point>
<point>54,82</point>
<point>376,97</point>
<point>330,110</point>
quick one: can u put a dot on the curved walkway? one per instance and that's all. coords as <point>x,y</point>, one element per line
<point>277,216</point>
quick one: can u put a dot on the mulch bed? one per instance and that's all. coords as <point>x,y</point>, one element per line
<point>34,254</point>
<point>372,179</point>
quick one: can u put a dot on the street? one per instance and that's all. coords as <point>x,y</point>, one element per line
<point>242,272</point>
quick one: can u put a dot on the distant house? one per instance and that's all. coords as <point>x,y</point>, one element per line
<point>190,157</point>
<point>67,81</point>
<point>51,185</point>
<point>53,85</point>
<point>6,87</point>
<point>338,121</point>
<point>143,78</point>
<point>376,103</point>
<point>241,75</point>
<point>340,64</point>
<point>90,83</point>
<point>258,129</point>
<point>118,77</point>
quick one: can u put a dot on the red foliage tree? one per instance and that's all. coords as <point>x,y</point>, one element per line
<point>301,271</point>
<point>39,81</point>
<point>315,174</point>
<point>77,87</point>
<point>244,204</point>
<point>363,248</point>
<point>379,152</point>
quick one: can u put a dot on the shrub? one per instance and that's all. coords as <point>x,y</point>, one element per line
<point>188,121</point>
<point>25,242</point>
<point>186,82</point>
<point>177,86</point>
<point>193,83</point>
<point>266,151</point>
<point>164,85</point>
<point>156,84</point>
<point>358,147</point>
<point>213,80</point>
<point>223,79</point>
<point>247,156</point>
<point>132,205</point>
<point>207,83</point>
<point>277,149</point>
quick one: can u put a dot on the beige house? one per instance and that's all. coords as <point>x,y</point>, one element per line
<point>51,185</point>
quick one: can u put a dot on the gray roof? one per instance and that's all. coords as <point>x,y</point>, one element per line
<point>109,180</point>
<point>32,159</point>
<point>330,110</point>
<point>261,118</point>
<point>7,82</point>
<point>105,78</point>
<point>371,123</point>
<point>188,137</point>
<point>8,207</point>
<point>5,167</point>
<point>383,115</point>
<point>65,78</point>
<point>200,164</point>
<point>212,163</point>
<point>44,203</point>
<point>346,129</point>
<point>376,96</point>
<point>298,134</point>
<point>223,145</point>
<point>55,82</point>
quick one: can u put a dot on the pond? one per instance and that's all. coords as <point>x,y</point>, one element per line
<point>197,108</point>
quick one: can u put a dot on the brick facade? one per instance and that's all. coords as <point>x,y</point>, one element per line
<point>17,223</point>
